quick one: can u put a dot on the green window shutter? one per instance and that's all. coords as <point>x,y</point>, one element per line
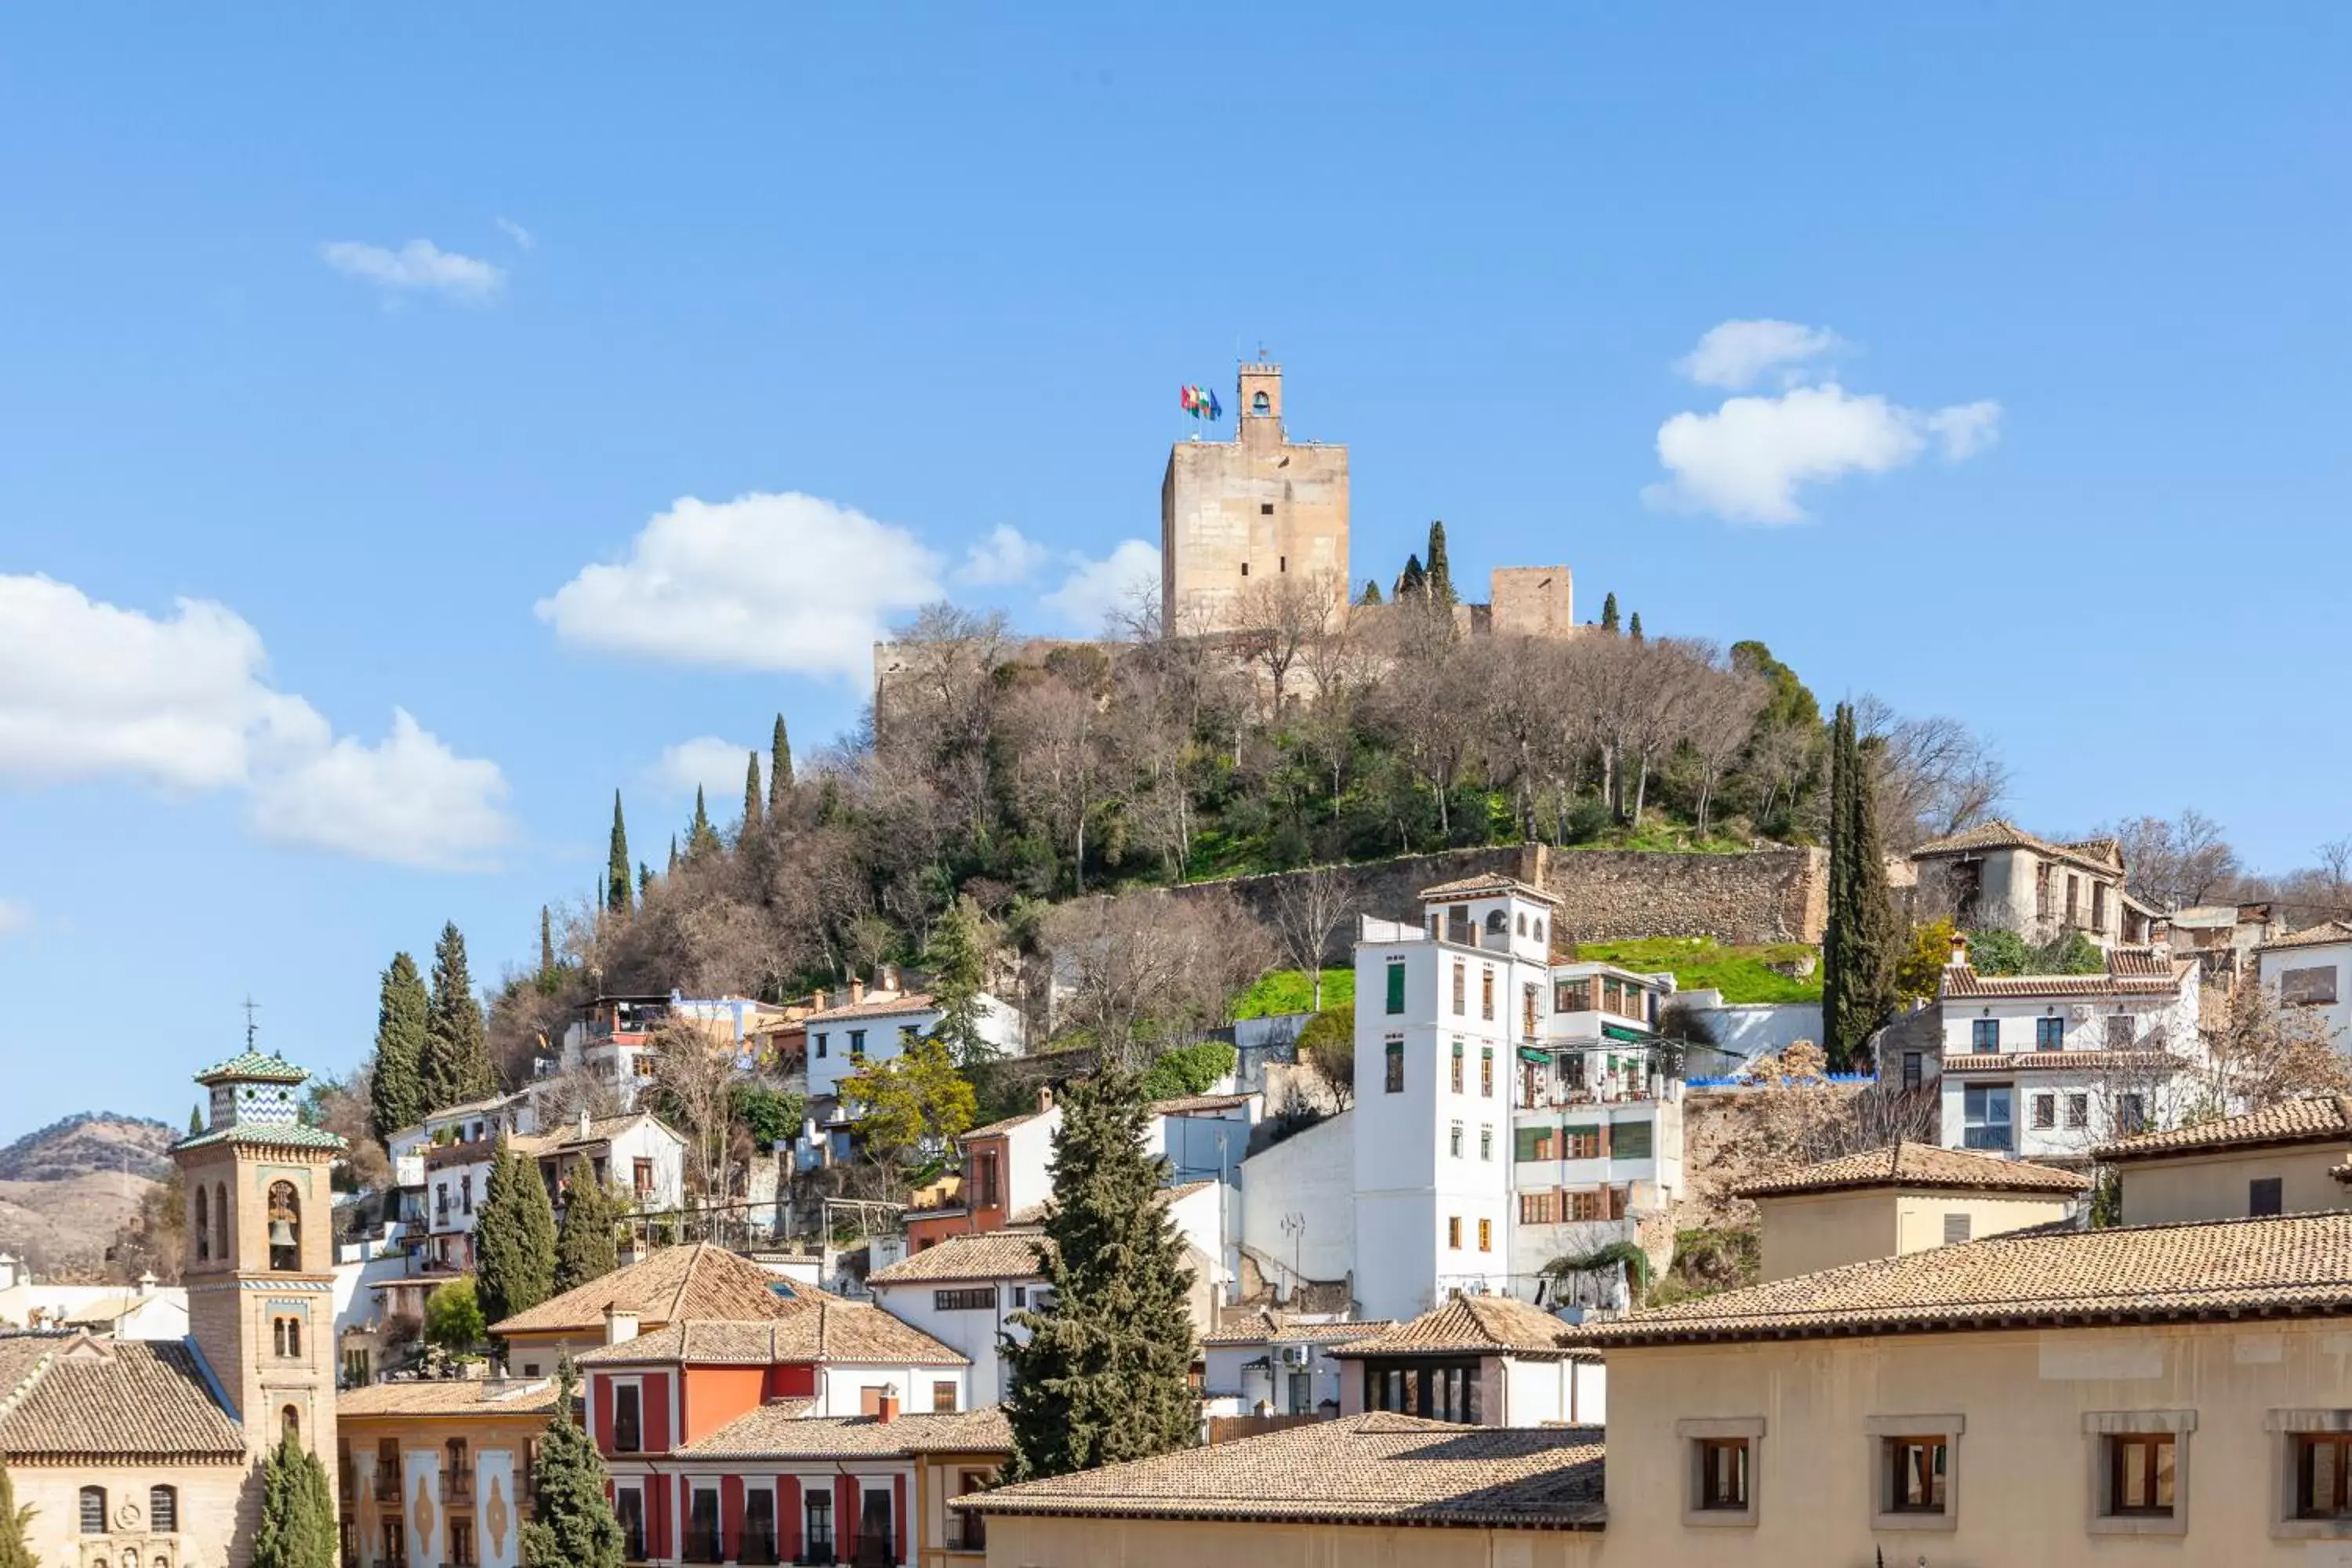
<point>1396,987</point>
<point>1630,1141</point>
<point>1532,1144</point>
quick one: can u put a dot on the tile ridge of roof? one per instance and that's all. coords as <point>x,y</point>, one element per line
<point>34,1375</point>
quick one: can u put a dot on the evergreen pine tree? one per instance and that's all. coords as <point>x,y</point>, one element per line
<point>1634,627</point>
<point>673,854</point>
<point>584,1248</point>
<point>701,839</point>
<point>396,1097</point>
<point>298,1528</point>
<point>1859,940</point>
<point>16,1523</point>
<point>546,941</point>
<point>1440,575</point>
<point>751,804</point>
<point>514,1239</point>
<point>455,1065</point>
<point>616,864</point>
<point>1103,1376</point>
<point>196,1120</point>
<point>645,873</point>
<point>571,1523</point>
<point>1371,592</point>
<point>1413,582</point>
<point>958,960</point>
<point>1609,613</point>
<point>780,770</point>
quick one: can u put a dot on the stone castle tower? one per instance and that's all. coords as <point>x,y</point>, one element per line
<point>259,1267</point>
<point>1260,506</point>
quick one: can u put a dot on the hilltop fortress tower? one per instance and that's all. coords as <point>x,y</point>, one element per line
<point>1236,512</point>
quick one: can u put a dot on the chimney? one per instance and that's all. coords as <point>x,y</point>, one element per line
<point>857,991</point>
<point>620,1327</point>
<point>816,1000</point>
<point>584,1123</point>
<point>147,1283</point>
<point>1044,1098</point>
<point>1959,959</point>
<point>885,1409</point>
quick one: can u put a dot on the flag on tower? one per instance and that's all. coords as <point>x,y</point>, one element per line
<point>1200,403</point>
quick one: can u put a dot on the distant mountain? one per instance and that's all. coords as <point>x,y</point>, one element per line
<point>95,1142</point>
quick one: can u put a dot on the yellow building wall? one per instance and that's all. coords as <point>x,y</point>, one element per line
<point>494,1511</point>
<point>1032,1542</point>
<point>2021,1469</point>
<point>218,1511</point>
<point>1813,1231</point>
<point>2214,1186</point>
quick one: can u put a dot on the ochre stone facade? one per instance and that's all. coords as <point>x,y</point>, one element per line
<point>1249,511</point>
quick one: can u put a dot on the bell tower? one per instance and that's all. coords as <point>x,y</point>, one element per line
<point>260,1254</point>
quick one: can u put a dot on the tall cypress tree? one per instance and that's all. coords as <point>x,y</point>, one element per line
<point>1858,944</point>
<point>571,1523</point>
<point>298,1528</point>
<point>673,854</point>
<point>958,960</point>
<point>546,941</point>
<point>701,839</point>
<point>1440,575</point>
<point>616,864</point>
<point>456,1063</point>
<point>585,1248</point>
<point>1103,1376</point>
<point>751,804</point>
<point>16,1523</point>
<point>396,1096</point>
<point>1609,613</point>
<point>514,1239</point>
<point>779,769</point>
<point>196,1120</point>
<point>1634,627</point>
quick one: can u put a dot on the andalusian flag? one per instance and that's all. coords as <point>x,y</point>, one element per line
<point>1200,403</point>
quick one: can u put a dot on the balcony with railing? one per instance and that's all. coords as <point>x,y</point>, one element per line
<point>704,1546</point>
<point>757,1546</point>
<point>458,1484</point>
<point>965,1532</point>
<point>387,1478</point>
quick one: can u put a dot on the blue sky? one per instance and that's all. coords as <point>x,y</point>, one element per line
<point>367,335</point>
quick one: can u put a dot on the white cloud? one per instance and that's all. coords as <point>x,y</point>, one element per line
<point>1747,460</point>
<point>409,801</point>
<point>419,264</point>
<point>785,582</point>
<point>1736,354</point>
<point>523,238</point>
<point>1096,589</point>
<point>16,917</point>
<point>1006,556</point>
<point>707,764</point>
<point>90,690</point>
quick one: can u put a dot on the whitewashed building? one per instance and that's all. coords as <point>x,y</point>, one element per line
<point>2043,1066</point>
<point>874,1025</point>
<point>2313,968</point>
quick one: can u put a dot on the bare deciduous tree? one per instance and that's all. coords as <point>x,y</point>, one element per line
<point>1277,619</point>
<point>696,1074</point>
<point>1309,907</point>
<point>2177,862</point>
<point>1935,775</point>
<point>1143,970</point>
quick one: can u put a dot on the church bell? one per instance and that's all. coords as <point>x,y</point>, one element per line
<point>282,1232</point>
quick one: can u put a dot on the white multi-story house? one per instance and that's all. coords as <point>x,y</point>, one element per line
<point>611,1039</point>
<point>2043,1066</point>
<point>2313,968</point>
<point>875,1026</point>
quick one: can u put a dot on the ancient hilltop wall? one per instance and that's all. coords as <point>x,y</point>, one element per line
<point>1606,895</point>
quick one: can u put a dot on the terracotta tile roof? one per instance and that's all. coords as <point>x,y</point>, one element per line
<point>996,1128</point>
<point>674,1283</point>
<point>521,1398</point>
<point>780,1431</point>
<point>2328,933</point>
<point>1271,1330</point>
<point>1376,1468</point>
<point>2298,1265</point>
<point>989,1254</point>
<point>831,1330</point>
<point>1187,1104</point>
<point>1466,1324</point>
<point>601,1130</point>
<point>83,1398</point>
<point>1475,886</point>
<point>2097,853</point>
<point>2322,1119</point>
<point>251,1135</point>
<point>2065,1061</point>
<point>2136,971</point>
<point>884,1005</point>
<point>1910,1164</point>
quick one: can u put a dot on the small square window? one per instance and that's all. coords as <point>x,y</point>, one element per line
<point>1984,1034</point>
<point>2323,1475</point>
<point>2046,1112</point>
<point>2078,1110</point>
<point>2140,1474</point>
<point>1723,1474</point>
<point>1956,1229</point>
<point>1265,509</point>
<point>2049,1034</point>
<point>1918,1474</point>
